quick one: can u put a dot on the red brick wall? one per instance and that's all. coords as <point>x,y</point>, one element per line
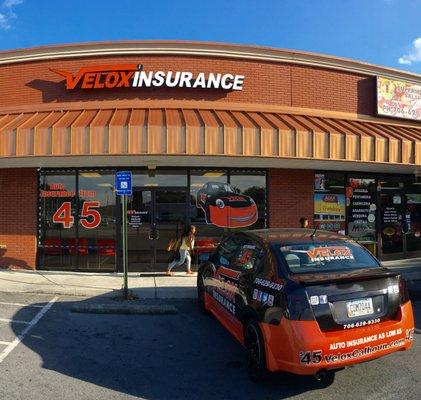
<point>290,197</point>
<point>271,83</point>
<point>18,220</point>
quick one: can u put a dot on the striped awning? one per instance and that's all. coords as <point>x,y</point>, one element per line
<point>206,132</point>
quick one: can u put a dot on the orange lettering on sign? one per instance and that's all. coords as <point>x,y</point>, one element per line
<point>98,77</point>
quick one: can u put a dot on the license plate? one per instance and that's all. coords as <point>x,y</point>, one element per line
<point>357,308</point>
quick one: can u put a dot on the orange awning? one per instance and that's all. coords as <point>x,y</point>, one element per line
<point>195,132</point>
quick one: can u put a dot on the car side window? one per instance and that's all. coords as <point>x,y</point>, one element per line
<point>227,250</point>
<point>249,257</point>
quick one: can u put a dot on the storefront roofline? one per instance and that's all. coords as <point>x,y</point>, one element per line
<point>204,105</point>
<point>173,161</point>
<point>201,49</point>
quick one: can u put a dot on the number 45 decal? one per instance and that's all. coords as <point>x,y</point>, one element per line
<point>89,218</point>
<point>311,357</point>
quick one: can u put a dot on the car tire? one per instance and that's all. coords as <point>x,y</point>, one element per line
<point>255,352</point>
<point>201,294</point>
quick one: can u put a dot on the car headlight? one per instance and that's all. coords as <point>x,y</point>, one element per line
<point>219,203</point>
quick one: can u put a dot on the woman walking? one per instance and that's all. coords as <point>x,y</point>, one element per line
<point>185,250</point>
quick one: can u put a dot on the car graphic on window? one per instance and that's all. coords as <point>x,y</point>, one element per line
<point>225,207</point>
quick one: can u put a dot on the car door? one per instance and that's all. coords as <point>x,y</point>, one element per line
<point>250,262</point>
<point>222,283</point>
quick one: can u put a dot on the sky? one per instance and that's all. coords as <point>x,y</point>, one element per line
<point>383,32</point>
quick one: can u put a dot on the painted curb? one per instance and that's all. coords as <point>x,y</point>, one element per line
<point>127,309</point>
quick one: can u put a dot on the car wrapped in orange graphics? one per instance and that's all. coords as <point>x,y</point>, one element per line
<point>225,207</point>
<point>305,301</point>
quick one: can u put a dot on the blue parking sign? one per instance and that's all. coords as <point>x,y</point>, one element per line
<point>123,183</point>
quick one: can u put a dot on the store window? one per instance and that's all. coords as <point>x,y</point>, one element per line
<point>159,177</point>
<point>97,220</point>
<point>206,187</point>
<point>251,184</point>
<point>361,196</point>
<point>77,221</point>
<point>329,201</point>
<point>222,200</point>
<point>391,215</point>
<point>400,210</point>
<point>57,239</point>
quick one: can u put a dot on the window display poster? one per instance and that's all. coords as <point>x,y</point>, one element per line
<point>398,99</point>
<point>319,182</point>
<point>361,202</point>
<point>329,211</point>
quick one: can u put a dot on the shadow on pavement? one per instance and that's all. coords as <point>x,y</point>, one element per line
<point>183,356</point>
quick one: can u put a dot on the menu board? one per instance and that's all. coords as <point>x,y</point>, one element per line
<point>361,208</point>
<point>398,99</point>
<point>391,215</point>
<point>135,218</point>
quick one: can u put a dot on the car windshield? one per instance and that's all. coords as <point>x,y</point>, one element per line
<point>219,188</point>
<point>320,257</point>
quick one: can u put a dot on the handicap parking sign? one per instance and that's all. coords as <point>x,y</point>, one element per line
<point>123,183</point>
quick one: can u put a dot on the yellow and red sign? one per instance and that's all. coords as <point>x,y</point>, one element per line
<point>398,99</point>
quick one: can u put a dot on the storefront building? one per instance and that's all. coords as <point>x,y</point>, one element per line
<point>220,136</point>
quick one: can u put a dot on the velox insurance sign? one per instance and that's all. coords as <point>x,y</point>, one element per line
<point>398,99</point>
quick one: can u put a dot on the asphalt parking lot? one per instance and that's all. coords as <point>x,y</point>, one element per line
<point>64,355</point>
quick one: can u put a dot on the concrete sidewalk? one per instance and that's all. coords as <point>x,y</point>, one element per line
<point>153,286</point>
<point>179,286</point>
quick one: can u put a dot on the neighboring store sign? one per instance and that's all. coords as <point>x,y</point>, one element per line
<point>361,202</point>
<point>329,210</point>
<point>123,183</point>
<point>398,99</point>
<point>133,76</point>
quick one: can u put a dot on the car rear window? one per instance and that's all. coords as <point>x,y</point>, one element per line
<point>321,257</point>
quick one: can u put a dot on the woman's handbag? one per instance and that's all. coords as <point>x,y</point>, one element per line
<point>174,244</point>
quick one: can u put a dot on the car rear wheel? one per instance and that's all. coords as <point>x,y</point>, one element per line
<point>201,294</point>
<point>255,352</point>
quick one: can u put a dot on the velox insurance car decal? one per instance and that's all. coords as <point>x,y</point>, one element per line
<point>348,351</point>
<point>330,253</point>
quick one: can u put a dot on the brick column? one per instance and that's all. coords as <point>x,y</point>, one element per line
<point>18,217</point>
<point>291,194</point>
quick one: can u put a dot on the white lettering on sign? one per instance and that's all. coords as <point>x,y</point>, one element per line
<point>133,76</point>
<point>186,79</point>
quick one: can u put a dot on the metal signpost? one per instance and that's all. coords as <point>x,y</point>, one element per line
<point>123,187</point>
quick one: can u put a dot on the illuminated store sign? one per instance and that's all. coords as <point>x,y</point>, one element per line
<point>133,76</point>
<point>398,99</point>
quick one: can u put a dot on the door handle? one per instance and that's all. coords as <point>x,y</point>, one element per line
<point>153,234</point>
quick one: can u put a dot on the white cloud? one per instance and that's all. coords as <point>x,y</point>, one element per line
<point>11,3</point>
<point>414,54</point>
<point>8,14</point>
<point>4,22</point>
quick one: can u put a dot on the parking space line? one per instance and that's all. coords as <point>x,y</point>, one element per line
<point>16,321</point>
<point>4,343</point>
<point>12,345</point>
<point>21,304</point>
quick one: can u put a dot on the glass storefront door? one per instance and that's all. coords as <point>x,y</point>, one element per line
<point>412,224</point>
<point>400,223</point>
<point>391,224</point>
<point>155,216</point>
